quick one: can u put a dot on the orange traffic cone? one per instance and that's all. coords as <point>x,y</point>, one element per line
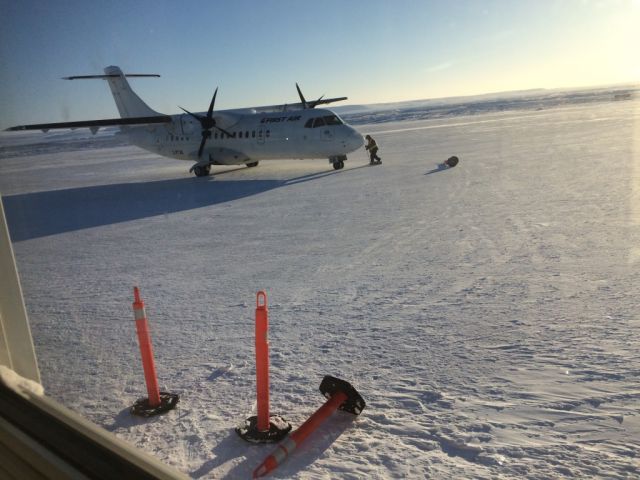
<point>263,428</point>
<point>157,401</point>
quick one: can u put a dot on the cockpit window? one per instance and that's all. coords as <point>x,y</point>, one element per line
<point>332,120</point>
<point>322,121</point>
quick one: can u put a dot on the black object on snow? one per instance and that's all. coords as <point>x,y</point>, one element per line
<point>278,429</point>
<point>168,401</point>
<point>452,161</point>
<point>354,402</point>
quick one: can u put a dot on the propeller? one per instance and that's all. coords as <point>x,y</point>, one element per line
<point>306,104</point>
<point>207,123</point>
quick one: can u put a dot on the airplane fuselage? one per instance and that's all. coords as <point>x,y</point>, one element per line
<point>293,134</point>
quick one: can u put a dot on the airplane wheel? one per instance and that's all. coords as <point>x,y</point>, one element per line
<point>252,164</point>
<point>201,171</point>
<point>338,165</point>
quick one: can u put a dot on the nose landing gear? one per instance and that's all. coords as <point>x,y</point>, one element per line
<point>338,161</point>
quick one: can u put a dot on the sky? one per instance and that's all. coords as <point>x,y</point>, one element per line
<point>371,51</point>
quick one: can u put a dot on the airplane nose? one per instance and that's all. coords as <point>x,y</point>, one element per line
<point>355,140</point>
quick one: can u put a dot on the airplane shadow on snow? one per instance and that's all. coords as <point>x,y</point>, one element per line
<point>35,215</point>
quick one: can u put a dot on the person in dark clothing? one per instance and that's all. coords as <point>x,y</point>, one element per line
<point>372,146</point>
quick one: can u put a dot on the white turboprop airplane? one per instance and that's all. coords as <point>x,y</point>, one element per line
<point>225,137</point>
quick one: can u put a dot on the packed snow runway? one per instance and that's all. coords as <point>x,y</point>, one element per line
<point>487,313</point>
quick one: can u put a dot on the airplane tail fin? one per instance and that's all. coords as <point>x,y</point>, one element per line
<point>129,104</point>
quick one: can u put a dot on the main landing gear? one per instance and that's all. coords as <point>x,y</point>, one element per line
<point>338,161</point>
<point>202,170</point>
<point>205,170</point>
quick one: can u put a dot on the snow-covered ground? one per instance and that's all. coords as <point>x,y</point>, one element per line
<point>488,313</point>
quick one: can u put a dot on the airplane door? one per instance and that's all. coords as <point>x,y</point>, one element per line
<point>188,125</point>
<point>326,134</point>
<point>260,136</point>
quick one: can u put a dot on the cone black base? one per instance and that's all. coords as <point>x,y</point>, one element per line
<point>168,401</point>
<point>278,429</point>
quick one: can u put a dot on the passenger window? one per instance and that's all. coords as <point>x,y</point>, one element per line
<point>246,134</point>
<point>240,134</point>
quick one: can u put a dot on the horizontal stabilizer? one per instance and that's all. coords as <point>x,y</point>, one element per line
<point>115,75</point>
<point>94,124</point>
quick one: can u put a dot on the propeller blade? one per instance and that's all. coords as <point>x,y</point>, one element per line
<point>197,117</point>
<point>207,123</point>
<point>204,140</point>
<point>223,130</point>
<point>213,102</point>
<point>302,99</point>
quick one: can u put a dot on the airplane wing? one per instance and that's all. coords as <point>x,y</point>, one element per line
<point>298,106</point>
<point>322,101</point>
<point>94,125</point>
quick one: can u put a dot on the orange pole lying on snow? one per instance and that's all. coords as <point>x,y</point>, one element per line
<point>341,395</point>
<point>283,450</point>
<point>146,350</point>
<point>262,360</point>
